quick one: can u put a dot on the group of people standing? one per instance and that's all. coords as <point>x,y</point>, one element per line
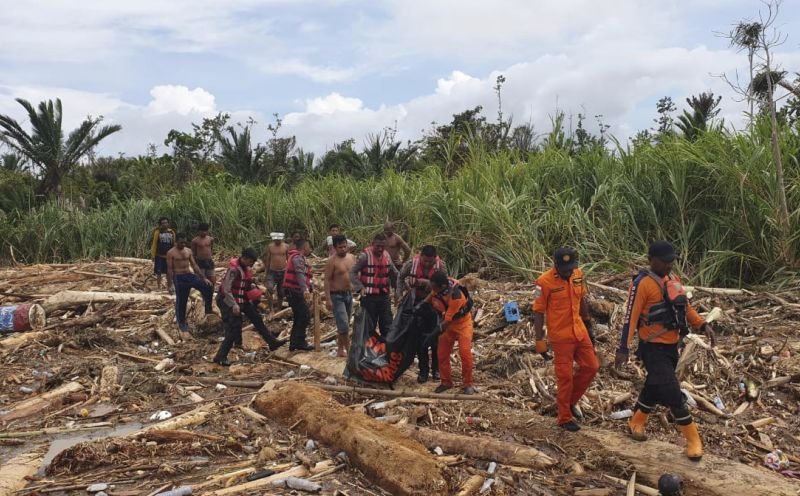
<point>657,310</point>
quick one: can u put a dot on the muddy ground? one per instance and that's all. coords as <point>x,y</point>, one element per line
<point>758,345</point>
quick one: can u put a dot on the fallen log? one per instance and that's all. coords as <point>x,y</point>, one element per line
<point>71,299</point>
<point>485,448</point>
<point>14,473</point>
<point>130,260</point>
<point>19,339</point>
<point>368,443</point>
<point>713,476</point>
<point>398,393</point>
<point>40,403</point>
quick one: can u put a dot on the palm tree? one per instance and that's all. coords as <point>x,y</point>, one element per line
<point>13,162</point>
<point>46,147</point>
<point>238,156</point>
<point>704,108</point>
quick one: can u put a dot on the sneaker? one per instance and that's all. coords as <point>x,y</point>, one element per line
<point>577,413</point>
<point>570,426</point>
<point>441,388</point>
<point>224,363</point>
<point>469,390</point>
<point>422,378</point>
<point>301,347</point>
<point>277,344</point>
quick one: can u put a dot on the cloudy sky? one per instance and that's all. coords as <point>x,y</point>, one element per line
<point>337,69</point>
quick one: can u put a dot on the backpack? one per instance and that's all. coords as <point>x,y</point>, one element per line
<point>671,312</point>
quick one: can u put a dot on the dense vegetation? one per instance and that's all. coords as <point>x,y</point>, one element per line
<point>491,203</point>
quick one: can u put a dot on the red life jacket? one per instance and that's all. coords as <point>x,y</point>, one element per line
<point>241,284</point>
<point>290,276</point>
<point>419,272</point>
<point>375,275</point>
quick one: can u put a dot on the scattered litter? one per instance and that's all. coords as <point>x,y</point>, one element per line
<point>492,467</point>
<point>330,380</point>
<point>311,445</point>
<point>289,375</point>
<point>161,415</point>
<point>487,485</point>
<point>776,460</point>
<point>299,484</point>
<point>25,389</point>
<point>179,491</point>
<point>305,368</point>
<point>621,414</point>
<point>220,387</point>
<point>438,450</point>
<point>670,485</point>
<point>96,488</point>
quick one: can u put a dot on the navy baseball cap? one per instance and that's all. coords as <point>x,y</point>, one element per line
<point>566,258</point>
<point>663,250</point>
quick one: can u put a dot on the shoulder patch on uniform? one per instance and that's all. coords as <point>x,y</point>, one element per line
<point>537,292</point>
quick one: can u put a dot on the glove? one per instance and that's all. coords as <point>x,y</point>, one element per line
<point>541,346</point>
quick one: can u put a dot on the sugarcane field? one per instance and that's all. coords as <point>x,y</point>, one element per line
<point>104,394</point>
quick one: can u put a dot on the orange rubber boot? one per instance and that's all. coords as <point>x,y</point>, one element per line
<point>636,425</point>
<point>694,446</point>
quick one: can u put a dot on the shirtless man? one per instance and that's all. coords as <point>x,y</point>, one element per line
<point>275,266</point>
<point>339,291</point>
<point>335,230</point>
<point>202,246</point>
<point>394,244</point>
<point>180,264</point>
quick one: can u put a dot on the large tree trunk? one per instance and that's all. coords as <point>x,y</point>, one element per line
<point>71,299</point>
<point>486,448</point>
<point>712,476</point>
<point>389,457</point>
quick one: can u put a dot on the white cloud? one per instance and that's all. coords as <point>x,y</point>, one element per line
<point>180,100</point>
<point>296,67</point>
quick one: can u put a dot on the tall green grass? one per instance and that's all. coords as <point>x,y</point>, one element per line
<point>502,214</point>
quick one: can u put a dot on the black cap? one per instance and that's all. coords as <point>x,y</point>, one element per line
<point>663,250</point>
<point>250,253</point>
<point>566,258</point>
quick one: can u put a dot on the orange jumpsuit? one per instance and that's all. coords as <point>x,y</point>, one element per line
<point>560,302</point>
<point>455,329</point>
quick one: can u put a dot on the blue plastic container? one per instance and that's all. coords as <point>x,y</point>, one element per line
<point>511,311</point>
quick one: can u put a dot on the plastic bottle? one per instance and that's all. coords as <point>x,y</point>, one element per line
<point>622,414</point>
<point>492,467</point>
<point>178,491</point>
<point>718,403</point>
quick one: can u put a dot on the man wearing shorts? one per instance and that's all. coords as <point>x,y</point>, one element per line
<point>202,246</point>
<point>275,266</point>
<point>162,241</point>
<point>339,291</point>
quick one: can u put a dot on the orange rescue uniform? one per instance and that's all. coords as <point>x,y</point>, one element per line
<point>559,301</point>
<point>455,329</point>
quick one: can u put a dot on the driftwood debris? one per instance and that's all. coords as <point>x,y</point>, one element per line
<point>481,447</point>
<point>14,473</point>
<point>108,382</point>
<point>70,299</point>
<point>368,443</point>
<point>40,403</point>
<point>714,475</point>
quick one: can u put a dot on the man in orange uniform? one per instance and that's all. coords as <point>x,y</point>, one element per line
<point>451,300</point>
<point>658,308</point>
<point>560,297</point>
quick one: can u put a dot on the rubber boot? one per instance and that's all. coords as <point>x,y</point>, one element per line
<point>637,424</point>
<point>694,446</point>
